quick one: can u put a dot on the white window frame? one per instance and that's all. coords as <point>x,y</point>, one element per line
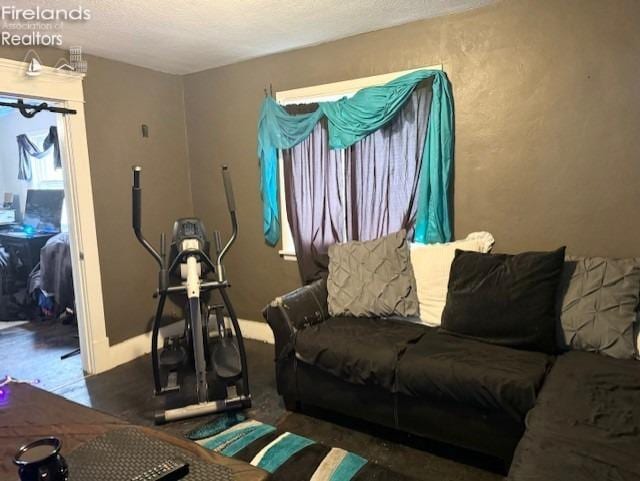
<point>322,93</point>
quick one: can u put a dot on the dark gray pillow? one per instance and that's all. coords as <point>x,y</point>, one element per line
<point>503,299</point>
<point>372,278</point>
<point>598,300</point>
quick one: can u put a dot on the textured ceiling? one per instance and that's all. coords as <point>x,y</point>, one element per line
<point>191,35</point>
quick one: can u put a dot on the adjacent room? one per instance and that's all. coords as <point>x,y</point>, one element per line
<point>303,241</point>
<point>37,308</point>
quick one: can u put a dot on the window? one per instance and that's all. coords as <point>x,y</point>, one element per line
<point>322,93</point>
<point>44,174</point>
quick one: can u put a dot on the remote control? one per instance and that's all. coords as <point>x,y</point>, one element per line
<point>166,471</point>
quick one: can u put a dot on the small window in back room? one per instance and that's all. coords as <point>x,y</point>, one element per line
<point>46,175</point>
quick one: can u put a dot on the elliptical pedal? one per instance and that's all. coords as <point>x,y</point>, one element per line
<point>172,382</point>
<point>225,356</point>
<point>226,359</point>
<point>172,358</point>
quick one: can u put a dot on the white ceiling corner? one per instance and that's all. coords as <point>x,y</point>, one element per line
<point>192,35</point>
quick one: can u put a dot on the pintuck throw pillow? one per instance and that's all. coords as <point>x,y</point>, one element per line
<point>431,266</point>
<point>598,300</point>
<point>509,300</point>
<point>372,278</point>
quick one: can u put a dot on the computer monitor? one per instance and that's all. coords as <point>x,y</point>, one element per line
<point>43,210</point>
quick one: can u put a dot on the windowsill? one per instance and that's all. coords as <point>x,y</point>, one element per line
<point>287,255</point>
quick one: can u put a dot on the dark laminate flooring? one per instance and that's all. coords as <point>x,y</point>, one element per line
<point>32,351</point>
<point>126,391</point>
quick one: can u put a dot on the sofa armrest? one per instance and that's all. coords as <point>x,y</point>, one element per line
<point>300,308</point>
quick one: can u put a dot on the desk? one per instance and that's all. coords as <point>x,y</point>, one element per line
<point>8,227</point>
<point>24,254</point>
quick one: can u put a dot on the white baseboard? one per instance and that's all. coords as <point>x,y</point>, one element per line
<point>135,347</point>
<point>258,331</point>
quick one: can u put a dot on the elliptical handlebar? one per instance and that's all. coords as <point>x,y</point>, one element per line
<point>136,196</point>
<point>231,204</point>
<point>228,188</point>
<point>160,257</point>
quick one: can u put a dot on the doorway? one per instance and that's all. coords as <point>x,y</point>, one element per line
<point>38,325</point>
<point>51,196</point>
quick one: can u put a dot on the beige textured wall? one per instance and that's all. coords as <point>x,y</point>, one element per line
<point>119,98</point>
<point>547,146</point>
<point>547,103</point>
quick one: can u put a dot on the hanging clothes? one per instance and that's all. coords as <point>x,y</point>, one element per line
<point>27,149</point>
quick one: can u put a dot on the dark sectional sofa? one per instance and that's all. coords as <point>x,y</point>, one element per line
<point>574,416</point>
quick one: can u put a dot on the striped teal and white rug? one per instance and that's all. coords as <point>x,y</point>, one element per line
<point>287,456</point>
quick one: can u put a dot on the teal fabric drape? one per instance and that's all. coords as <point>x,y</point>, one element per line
<point>351,119</point>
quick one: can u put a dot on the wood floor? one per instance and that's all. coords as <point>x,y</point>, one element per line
<point>126,391</point>
<point>32,351</point>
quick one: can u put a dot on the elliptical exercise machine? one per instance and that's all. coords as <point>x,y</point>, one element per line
<point>199,374</point>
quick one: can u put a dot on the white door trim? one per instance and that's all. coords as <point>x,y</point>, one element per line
<point>65,88</point>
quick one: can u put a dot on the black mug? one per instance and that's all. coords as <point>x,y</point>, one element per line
<point>41,460</point>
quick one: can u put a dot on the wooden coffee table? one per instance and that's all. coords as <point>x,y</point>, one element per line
<point>28,413</point>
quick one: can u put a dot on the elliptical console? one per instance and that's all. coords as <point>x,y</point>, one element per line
<point>198,373</point>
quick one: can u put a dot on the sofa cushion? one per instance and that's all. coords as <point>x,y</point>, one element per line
<point>372,278</point>
<point>586,423</point>
<point>431,266</point>
<point>509,300</point>
<point>443,367</point>
<point>357,350</point>
<point>598,303</point>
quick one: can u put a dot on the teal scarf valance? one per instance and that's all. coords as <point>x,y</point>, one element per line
<point>351,119</point>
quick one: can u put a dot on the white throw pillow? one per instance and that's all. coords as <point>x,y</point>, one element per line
<point>431,267</point>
